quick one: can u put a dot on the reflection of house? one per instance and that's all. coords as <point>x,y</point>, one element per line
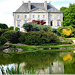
<point>54,68</point>
<point>37,11</point>
<point>57,68</point>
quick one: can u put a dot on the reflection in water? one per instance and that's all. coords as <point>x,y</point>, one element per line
<point>55,67</point>
<point>67,57</point>
<point>36,63</point>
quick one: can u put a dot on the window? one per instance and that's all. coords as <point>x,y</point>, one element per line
<point>38,10</point>
<point>18,16</point>
<point>57,16</point>
<point>51,16</point>
<point>38,16</point>
<point>25,16</point>
<point>51,23</point>
<point>18,24</point>
<point>33,16</point>
<point>59,68</point>
<point>25,22</point>
<point>43,16</point>
<point>57,23</point>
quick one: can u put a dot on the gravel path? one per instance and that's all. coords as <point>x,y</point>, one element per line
<point>74,41</point>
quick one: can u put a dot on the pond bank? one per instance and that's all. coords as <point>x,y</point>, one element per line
<point>27,48</point>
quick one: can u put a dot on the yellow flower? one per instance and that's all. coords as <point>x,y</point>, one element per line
<point>67,31</point>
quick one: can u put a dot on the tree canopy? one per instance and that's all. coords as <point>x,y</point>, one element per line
<point>3,26</point>
<point>69,15</point>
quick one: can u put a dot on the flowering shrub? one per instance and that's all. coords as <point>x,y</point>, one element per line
<point>39,22</point>
<point>67,31</point>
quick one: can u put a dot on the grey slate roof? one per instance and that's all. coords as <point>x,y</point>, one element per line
<point>24,7</point>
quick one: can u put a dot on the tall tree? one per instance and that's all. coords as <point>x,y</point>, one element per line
<point>69,15</point>
<point>3,26</point>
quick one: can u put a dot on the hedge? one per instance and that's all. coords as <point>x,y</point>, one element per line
<point>37,38</point>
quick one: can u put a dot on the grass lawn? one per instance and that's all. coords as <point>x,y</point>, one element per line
<point>53,48</point>
<point>71,38</point>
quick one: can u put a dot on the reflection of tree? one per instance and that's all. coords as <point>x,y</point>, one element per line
<point>69,68</point>
<point>68,60</point>
<point>39,59</point>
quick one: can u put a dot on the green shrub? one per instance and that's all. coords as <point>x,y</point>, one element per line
<point>35,27</point>
<point>2,31</point>
<point>17,29</point>
<point>37,38</point>
<point>3,40</point>
<point>12,36</point>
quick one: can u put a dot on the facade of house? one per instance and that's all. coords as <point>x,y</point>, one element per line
<point>37,11</point>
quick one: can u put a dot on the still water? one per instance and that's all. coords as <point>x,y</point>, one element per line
<point>40,62</point>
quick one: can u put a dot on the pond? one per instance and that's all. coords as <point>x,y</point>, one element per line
<point>39,62</point>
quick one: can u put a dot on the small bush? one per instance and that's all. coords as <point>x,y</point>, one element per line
<point>3,40</point>
<point>37,38</point>
<point>12,36</point>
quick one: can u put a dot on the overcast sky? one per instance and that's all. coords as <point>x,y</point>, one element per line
<point>7,7</point>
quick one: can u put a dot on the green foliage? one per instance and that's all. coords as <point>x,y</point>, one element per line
<point>11,28</point>
<point>35,27</point>
<point>12,36</point>
<point>3,26</point>
<point>53,30</point>
<point>2,31</point>
<point>3,40</point>
<point>17,29</point>
<point>69,15</point>
<point>36,38</point>
<point>62,9</point>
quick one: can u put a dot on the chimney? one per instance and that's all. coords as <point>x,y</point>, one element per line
<point>50,2</point>
<point>45,5</point>
<point>29,5</point>
<point>22,1</point>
